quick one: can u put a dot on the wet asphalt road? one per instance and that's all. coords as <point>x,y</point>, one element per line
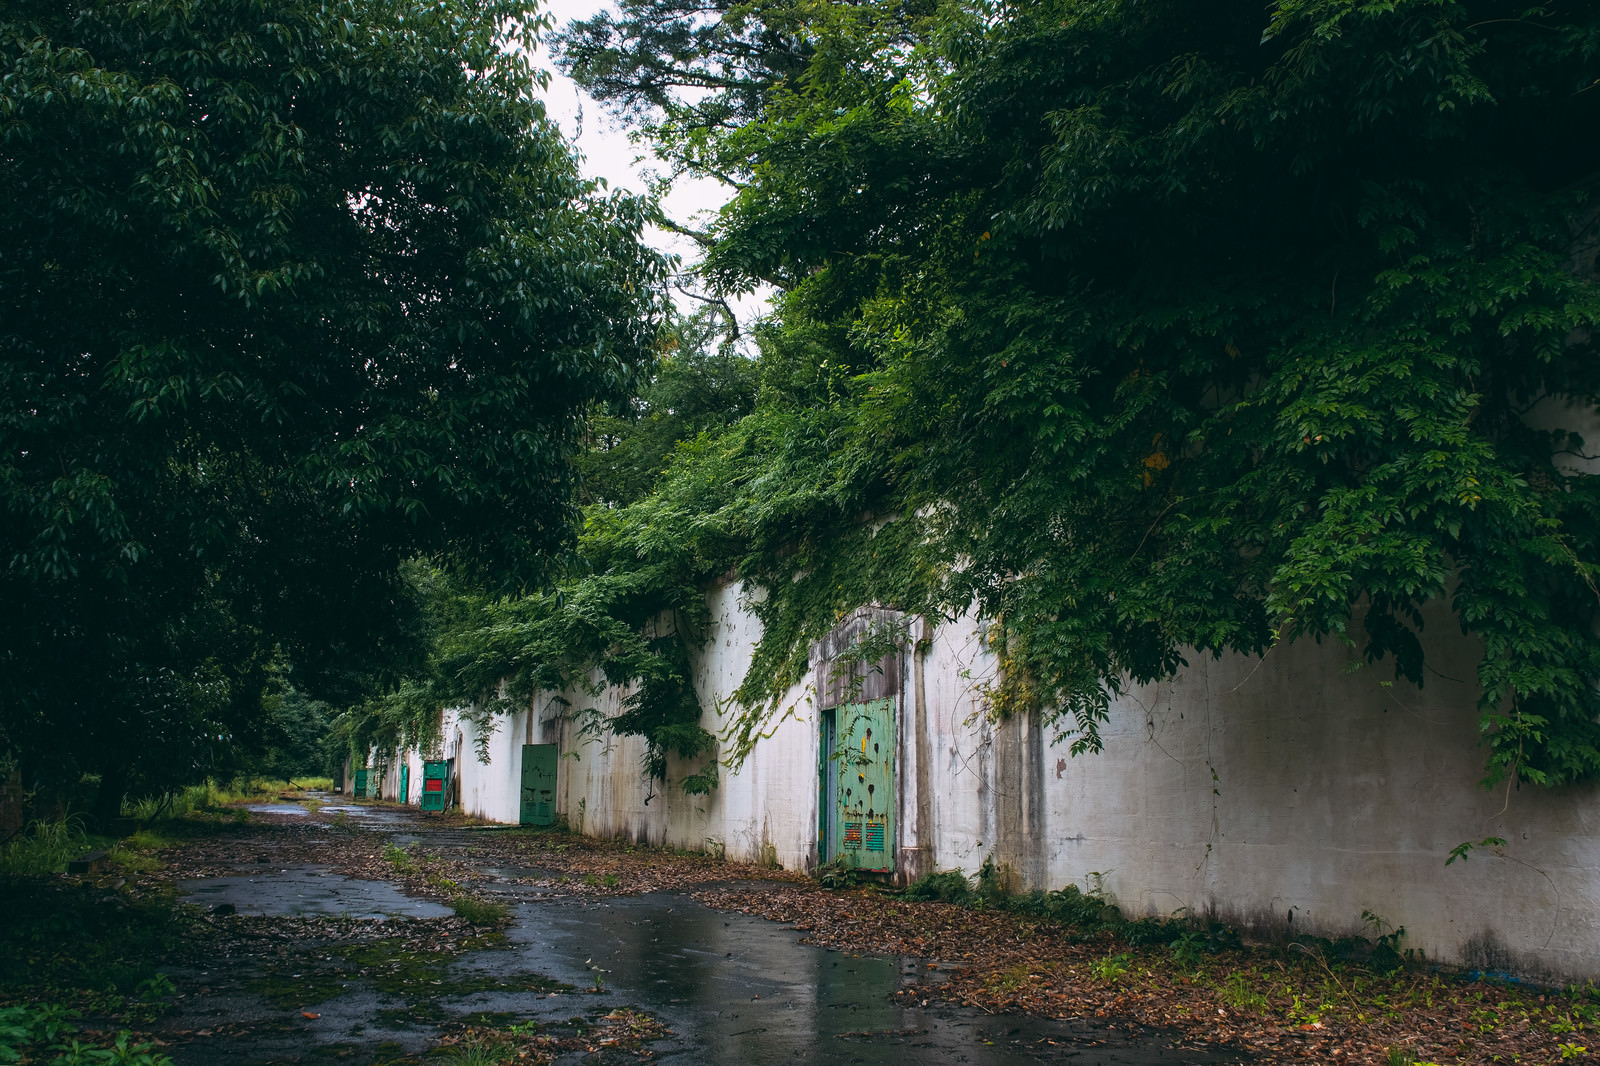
<point>733,989</point>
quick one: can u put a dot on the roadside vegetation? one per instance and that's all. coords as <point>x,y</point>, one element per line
<point>213,797</point>
<point>49,1034</point>
<point>47,845</point>
<point>1072,953</point>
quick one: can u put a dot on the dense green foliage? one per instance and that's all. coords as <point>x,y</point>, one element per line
<point>289,292</point>
<point>1149,329</point>
<point>627,609</point>
<point>295,737</point>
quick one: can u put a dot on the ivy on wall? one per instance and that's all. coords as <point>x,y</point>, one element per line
<point>1144,330</point>
<point>1153,329</point>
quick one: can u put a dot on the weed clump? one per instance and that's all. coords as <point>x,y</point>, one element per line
<point>479,1051</point>
<point>948,886</point>
<point>403,862</point>
<point>45,849</point>
<point>1068,906</point>
<point>481,912</point>
<point>30,1031</point>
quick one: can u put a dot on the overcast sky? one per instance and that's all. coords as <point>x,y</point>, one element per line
<point>609,154</point>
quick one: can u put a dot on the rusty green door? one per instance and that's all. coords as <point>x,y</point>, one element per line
<point>538,784</point>
<point>405,783</point>
<point>359,791</point>
<point>858,798</point>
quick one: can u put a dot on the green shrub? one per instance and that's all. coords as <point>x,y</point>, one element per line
<point>835,874</point>
<point>948,886</point>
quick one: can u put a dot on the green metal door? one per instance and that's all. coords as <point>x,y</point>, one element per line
<point>435,785</point>
<point>405,783</point>
<point>858,797</point>
<point>538,784</point>
<point>360,789</point>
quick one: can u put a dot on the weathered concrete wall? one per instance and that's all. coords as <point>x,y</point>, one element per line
<point>1287,791</point>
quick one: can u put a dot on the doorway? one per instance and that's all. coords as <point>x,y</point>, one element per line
<point>856,781</point>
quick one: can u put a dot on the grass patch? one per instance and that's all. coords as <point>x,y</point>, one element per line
<point>136,862</point>
<point>146,840</point>
<point>137,853</point>
<point>46,848</point>
<point>416,976</point>
<point>479,1050</point>
<point>481,912</point>
<point>1241,990</point>
<point>212,798</point>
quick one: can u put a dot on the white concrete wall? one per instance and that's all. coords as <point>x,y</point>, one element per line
<point>390,764</point>
<point>1288,793</point>
<point>1282,792</point>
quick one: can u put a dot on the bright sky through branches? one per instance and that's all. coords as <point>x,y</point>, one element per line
<point>608,153</point>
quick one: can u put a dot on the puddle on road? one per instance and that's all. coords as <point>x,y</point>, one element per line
<point>276,808</point>
<point>734,989</point>
<point>510,875</point>
<point>308,890</point>
<point>367,814</point>
<point>739,989</point>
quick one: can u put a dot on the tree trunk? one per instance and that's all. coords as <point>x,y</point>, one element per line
<point>108,801</point>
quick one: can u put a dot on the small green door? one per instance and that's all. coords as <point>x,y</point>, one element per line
<point>858,797</point>
<point>360,789</point>
<point>435,785</point>
<point>538,784</point>
<point>405,783</point>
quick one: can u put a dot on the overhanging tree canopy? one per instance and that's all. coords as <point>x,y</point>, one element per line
<point>289,292</point>
<point>1162,326</point>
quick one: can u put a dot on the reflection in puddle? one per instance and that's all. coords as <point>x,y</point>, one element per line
<point>738,989</point>
<point>734,989</point>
